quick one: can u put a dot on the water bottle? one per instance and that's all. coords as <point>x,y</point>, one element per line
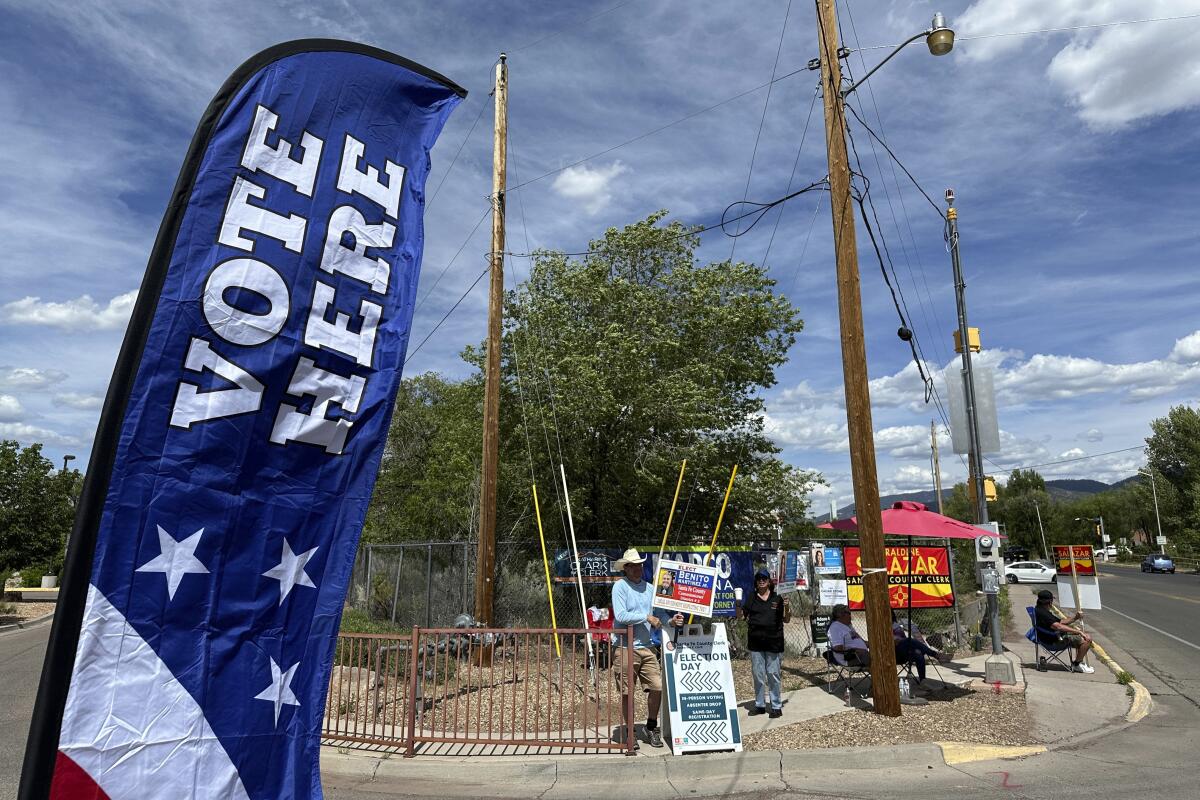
<point>904,690</point>
<point>847,696</point>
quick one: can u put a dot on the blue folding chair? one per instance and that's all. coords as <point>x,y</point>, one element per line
<point>1048,641</point>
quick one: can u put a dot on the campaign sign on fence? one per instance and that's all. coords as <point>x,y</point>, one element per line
<point>791,572</point>
<point>1084,561</point>
<point>681,586</point>
<point>918,577</point>
<point>701,704</point>
<point>833,592</point>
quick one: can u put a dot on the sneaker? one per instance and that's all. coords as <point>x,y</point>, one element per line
<point>776,713</point>
<point>1084,668</point>
<point>655,738</point>
<point>754,712</point>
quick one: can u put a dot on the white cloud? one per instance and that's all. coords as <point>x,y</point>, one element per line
<point>905,441</point>
<point>81,314</point>
<point>1092,435</point>
<point>82,402</point>
<point>591,186</point>
<point>28,434</point>
<point>1187,349</point>
<point>909,478</point>
<point>1074,452</point>
<point>10,408</point>
<point>1114,75</point>
<point>29,379</point>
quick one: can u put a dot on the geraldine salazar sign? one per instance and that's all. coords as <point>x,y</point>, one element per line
<point>689,588</point>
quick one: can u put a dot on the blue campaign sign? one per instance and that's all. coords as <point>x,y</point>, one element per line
<point>241,436</point>
<point>833,558</point>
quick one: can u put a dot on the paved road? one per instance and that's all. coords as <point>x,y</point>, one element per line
<point>1156,619</point>
<point>21,655</point>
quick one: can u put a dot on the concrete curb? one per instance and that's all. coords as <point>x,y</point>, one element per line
<point>1141,704</point>
<point>33,623</point>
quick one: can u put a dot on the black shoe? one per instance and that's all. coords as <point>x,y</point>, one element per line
<point>754,712</point>
<point>655,738</point>
<point>776,713</point>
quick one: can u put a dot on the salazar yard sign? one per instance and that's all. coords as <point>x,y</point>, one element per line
<point>918,577</point>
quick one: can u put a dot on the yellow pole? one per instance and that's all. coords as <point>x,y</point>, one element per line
<point>662,547</point>
<point>537,510</point>
<point>717,529</point>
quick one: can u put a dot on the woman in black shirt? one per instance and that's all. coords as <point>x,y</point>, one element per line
<point>766,612</point>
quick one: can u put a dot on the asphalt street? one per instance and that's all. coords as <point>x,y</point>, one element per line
<point>21,655</point>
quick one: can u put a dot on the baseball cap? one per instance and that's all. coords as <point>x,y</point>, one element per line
<point>762,573</point>
<point>1045,595</point>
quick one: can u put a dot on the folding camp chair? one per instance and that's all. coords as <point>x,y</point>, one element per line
<point>852,674</point>
<point>1049,642</point>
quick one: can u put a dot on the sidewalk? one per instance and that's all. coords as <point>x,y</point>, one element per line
<point>1066,708</point>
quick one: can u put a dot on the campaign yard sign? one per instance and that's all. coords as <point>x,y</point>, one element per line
<point>922,572</point>
<point>701,703</point>
<point>1084,560</point>
<point>685,587</point>
<point>791,572</point>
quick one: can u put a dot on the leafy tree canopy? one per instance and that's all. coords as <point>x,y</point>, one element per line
<point>618,364</point>
<point>37,508</point>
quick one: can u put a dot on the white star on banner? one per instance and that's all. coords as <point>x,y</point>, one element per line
<point>290,570</point>
<point>280,690</point>
<point>175,559</point>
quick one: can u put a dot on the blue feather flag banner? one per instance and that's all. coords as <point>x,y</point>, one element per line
<point>241,437</point>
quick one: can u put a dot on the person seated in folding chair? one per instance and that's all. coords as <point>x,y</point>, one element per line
<point>1046,620</point>
<point>849,649</point>
<point>913,649</point>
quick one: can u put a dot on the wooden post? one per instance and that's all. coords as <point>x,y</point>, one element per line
<point>485,555</point>
<point>854,370</point>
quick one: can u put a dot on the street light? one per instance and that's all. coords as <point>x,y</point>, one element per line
<point>1160,541</point>
<point>65,460</point>
<point>854,351</point>
<point>938,37</point>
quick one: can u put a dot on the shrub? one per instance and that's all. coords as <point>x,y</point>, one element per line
<point>31,577</point>
<point>1124,677</point>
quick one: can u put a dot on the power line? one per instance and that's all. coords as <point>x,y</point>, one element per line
<point>763,118</point>
<point>659,129</point>
<point>447,314</point>
<point>795,164</point>
<point>1038,31</point>
<point>450,263</point>
<point>1067,460</point>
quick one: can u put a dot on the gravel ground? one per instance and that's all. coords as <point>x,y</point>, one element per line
<point>23,612</point>
<point>951,715</point>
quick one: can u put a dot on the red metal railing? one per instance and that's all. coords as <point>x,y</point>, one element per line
<point>499,687</point>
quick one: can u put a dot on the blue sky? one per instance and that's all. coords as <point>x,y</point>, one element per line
<point>1073,154</point>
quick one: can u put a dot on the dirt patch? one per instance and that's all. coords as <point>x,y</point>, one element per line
<point>952,715</point>
<point>23,612</point>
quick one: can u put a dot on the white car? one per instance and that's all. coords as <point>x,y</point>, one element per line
<point>1029,572</point>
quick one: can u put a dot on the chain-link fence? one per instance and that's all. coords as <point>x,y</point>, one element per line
<point>432,583</point>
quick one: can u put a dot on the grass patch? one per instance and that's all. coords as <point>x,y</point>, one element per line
<point>1124,677</point>
<point>357,621</point>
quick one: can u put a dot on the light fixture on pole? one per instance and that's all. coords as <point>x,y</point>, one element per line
<point>854,352</point>
<point>938,37</point>
<point>1160,541</point>
<point>67,458</point>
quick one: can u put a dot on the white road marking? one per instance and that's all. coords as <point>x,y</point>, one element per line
<point>1151,627</point>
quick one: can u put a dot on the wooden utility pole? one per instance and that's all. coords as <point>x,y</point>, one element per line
<point>485,555</point>
<point>937,465</point>
<point>884,685</point>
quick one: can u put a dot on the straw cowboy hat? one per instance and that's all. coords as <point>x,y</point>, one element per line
<point>631,556</point>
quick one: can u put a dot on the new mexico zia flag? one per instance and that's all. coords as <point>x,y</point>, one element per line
<point>240,438</point>
<point>918,577</point>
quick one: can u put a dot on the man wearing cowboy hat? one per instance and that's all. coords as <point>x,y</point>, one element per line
<point>632,603</point>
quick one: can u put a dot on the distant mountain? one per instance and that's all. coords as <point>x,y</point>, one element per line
<point>1059,489</point>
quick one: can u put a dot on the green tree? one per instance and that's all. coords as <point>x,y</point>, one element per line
<point>1018,505</point>
<point>634,357</point>
<point>618,364</point>
<point>1173,450</point>
<point>37,508</point>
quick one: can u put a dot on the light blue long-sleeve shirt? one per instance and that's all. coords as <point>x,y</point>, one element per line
<point>631,603</point>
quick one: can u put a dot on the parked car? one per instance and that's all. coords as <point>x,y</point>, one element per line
<point>1029,572</point>
<point>1016,553</point>
<point>1158,562</point>
<point>1105,552</point>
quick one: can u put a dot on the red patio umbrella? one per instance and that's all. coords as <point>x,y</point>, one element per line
<point>906,518</point>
